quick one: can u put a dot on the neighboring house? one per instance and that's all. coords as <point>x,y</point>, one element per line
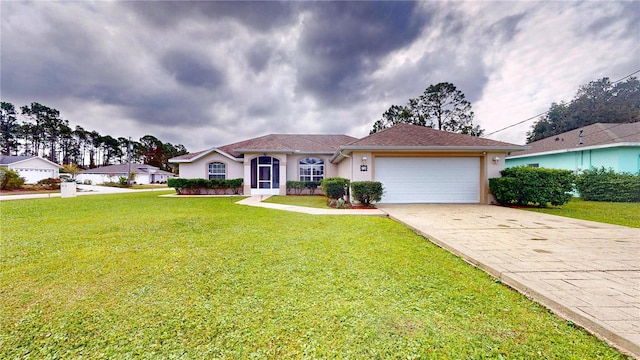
<point>144,174</point>
<point>615,146</point>
<point>32,168</point>
<point>415,164</point>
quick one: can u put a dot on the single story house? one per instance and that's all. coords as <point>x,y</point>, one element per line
<point>615,146</point>
<point>32,168</point>
<point>415,164</point>
<point>143,174</point>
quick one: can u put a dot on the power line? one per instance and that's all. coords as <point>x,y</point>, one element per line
<point>542,113</point>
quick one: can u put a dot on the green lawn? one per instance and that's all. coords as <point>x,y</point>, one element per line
<point>627,214</point>
<point>141,276</point>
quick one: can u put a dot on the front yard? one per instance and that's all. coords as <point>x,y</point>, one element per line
<point>626,214</point>
<point>139,276</point>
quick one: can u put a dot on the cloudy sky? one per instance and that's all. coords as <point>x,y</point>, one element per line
<point>205,74</point>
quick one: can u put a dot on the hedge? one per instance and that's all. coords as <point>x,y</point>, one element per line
<point>607,185</point>
<point>297,187</point>
<point>335,188</point>
<point>204,186</point>
<point>367,192</point>
<point>524,185</point>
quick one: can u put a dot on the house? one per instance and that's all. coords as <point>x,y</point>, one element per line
<point>32,168</point>
<point>142,174</point>
<point>615,146</point>
<point>415,164</point>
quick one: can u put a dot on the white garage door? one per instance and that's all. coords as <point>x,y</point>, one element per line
<point>429,180</point>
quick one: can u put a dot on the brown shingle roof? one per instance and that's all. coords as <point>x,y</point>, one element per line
<point>592,135</point>
<point>289,142</point>
<point>405,135</point>
<point>189,155</point>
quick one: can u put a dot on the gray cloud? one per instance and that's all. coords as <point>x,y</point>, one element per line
<point>339,48</point>
<point>258,15</point>
<point>193,69</point>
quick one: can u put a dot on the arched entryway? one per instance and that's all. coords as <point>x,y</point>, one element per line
<point>265,175</point>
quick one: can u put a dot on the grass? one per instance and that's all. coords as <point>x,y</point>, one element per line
<point>626,214</point>
<point>140,276</point>
<point>304,200</point>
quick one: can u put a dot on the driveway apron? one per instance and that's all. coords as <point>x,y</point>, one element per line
<point>586,272</point>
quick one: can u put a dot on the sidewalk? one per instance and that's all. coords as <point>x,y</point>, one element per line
<point>257,201</point>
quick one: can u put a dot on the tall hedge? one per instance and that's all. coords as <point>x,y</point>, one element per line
<point>607,185</point>
<point>334,188</point>
<point>523,185</point>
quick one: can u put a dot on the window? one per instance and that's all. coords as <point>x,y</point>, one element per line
<point>217,170</point>
<point>311,169</point>
<point>533,165</point>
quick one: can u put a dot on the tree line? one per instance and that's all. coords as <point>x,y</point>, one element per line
<point>599,101</point>
<point>44,133</point>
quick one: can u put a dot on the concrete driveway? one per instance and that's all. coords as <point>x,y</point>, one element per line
<point>586,272</point>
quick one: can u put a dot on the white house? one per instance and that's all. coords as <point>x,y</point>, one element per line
<point>32,168</point>
<point>143,174</point>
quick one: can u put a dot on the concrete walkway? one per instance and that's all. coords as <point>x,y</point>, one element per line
<point>586,272</point>
<point>257,201</point>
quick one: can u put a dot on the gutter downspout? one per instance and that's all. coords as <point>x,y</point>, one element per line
<point>350,174</point>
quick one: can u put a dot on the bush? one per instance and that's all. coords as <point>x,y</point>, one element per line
<point>50,183</point>
<point>295,186</point>
<point>607,185</point>
<point>523,185</point>
<point>10,179</point>
<point>123,181</point>
<point>200,186</point>
<point>367,192</point>
<point>335,188</point>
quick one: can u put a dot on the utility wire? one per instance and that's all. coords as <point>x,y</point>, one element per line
<point>542,113</point>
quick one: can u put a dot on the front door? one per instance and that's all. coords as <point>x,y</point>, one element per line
<point>265,176</point>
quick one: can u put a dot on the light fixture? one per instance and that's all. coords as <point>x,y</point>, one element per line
<point>496,159</point>
<point>363,167</point>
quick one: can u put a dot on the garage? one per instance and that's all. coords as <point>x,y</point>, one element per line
<point>429,179</point>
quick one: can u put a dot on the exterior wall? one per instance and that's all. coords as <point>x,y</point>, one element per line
<point>620,159</point>
<point>199,169</point>
<point>35,169</point>
<point>358,166</point>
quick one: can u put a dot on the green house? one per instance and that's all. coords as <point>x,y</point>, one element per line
<point>615,146</point>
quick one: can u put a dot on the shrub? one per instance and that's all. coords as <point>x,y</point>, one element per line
<point>199,185</point>
<point>335,188</point>
<point>123,181</point>
<point>523,185</point>
<point>10,179</point>
<point>50,183</point>
<point>295,186</point>
<point>607,185</point>
<point>235,185</point>
<point>312,186</point>
<point>367,192</point>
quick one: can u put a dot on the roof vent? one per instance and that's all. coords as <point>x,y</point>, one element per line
<point>580,136</point>
<point>557,139</point>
